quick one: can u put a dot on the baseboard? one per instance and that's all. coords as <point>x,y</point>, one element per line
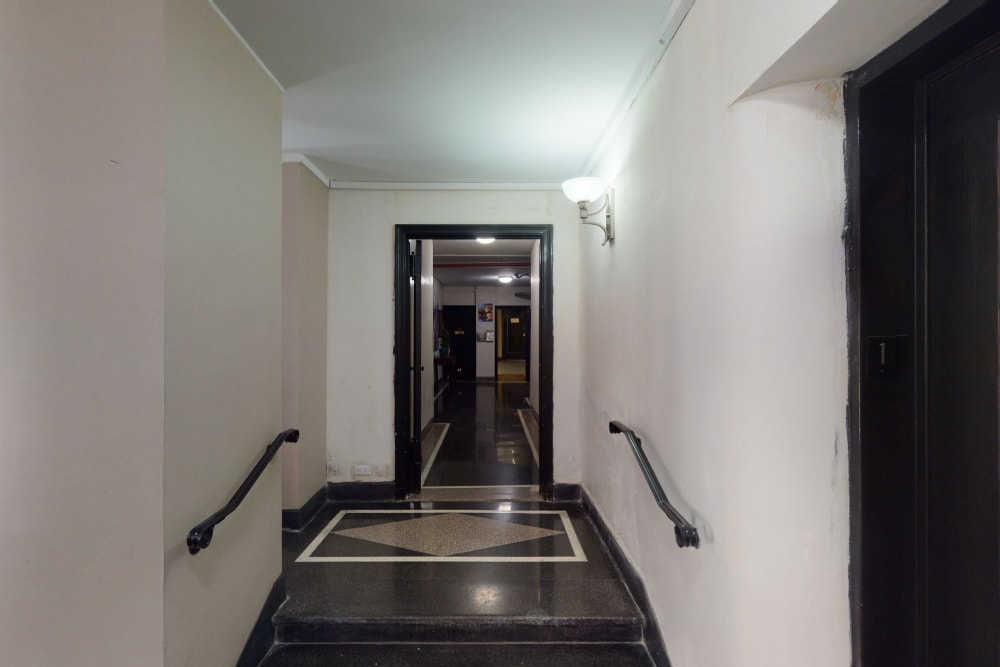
<point>261,638</point>
<point>651,632</point>
<point>300,518</point>
<point>346,492</point>
<point>566,492</point>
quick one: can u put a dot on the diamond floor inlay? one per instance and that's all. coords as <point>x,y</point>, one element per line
<point>443,535</point>
<point>448,534</point>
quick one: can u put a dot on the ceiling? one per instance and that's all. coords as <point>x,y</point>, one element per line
<point>454,91</point>
<point>468,263</point>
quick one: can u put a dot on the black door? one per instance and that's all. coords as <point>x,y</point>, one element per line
<point>461,324</point>
<point>926,464</point>
<point>515,334</point>
<point>962,104</point>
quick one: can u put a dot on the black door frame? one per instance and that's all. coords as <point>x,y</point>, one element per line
<point>892,75</point>
<point>404,234</point>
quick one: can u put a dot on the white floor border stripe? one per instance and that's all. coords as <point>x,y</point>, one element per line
<point>434,453</point>
<point>489,486</point>
<point>577,557</point>
<point>527,434</point>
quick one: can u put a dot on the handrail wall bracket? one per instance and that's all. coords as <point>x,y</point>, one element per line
<point>201,535</point>
<point>685,533</point>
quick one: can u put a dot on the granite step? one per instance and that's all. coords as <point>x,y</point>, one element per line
<point>458,655</point>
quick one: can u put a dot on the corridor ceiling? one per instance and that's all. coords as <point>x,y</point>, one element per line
<point>454,91</point>
<point>468,263</point>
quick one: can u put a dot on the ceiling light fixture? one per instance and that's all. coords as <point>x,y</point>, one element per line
<point>586,190</point>
<point>505,279</point>
<point>485,240</point>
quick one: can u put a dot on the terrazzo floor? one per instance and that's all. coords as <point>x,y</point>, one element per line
<point>475,561</point>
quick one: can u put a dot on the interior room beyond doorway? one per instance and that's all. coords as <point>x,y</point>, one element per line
<point>484,423</point>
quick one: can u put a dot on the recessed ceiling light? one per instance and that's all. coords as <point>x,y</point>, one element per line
<point>505,279</point>
<point>486,239</point>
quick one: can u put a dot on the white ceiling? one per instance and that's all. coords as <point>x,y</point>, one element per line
<point>469,263</point>
<point>454,91</point>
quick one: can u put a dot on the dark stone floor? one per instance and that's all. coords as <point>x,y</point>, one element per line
<point>437,612</point>
<point>485,444</point>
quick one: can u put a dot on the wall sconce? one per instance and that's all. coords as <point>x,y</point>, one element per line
<point>585,191</point>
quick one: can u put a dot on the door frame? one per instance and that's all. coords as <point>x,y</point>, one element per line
<point>896,72</point>
<point>402,390</point>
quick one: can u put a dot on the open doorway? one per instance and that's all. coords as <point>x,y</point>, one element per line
<point>513,348</point>
<point>465,317</point>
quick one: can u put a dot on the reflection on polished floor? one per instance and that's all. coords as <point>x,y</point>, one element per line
<point>484,436</point>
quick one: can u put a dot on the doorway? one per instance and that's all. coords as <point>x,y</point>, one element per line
<point>922,240</point>
<point>408,454</point>
<point>513,349</point>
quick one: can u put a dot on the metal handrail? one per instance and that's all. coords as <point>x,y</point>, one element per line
<point>201,535</point>
<point>686,534</point>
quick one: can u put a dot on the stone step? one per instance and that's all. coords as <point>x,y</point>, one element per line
<point>458,655</point>
<point>430,610</point>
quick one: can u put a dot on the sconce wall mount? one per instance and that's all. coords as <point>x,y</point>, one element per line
<point>584,192</point>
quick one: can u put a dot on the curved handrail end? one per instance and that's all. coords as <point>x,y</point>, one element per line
<point>687,536</point>
<point>201,535</point>
<point>684,531</point>
<point>199,539</point>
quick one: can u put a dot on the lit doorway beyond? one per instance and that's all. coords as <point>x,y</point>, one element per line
<point>408,450</point>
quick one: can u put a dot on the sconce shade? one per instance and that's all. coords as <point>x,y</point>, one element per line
<point>584,189</point>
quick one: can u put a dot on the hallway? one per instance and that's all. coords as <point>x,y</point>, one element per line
<point>483,436</point>
<point>204,242</point>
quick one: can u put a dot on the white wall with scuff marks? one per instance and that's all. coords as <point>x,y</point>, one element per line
<point>728,267</point>
<point>360,326</point>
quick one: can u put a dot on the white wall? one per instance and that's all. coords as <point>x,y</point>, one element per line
<point>81,332</point>
<point>223,334</point>
<point>428,335</point>
<point>304,215</point>
<point>486,350</point>
<point>536,314</point>
<point>360,422</point>
<point>715,326</point>
<point>850,34</point>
